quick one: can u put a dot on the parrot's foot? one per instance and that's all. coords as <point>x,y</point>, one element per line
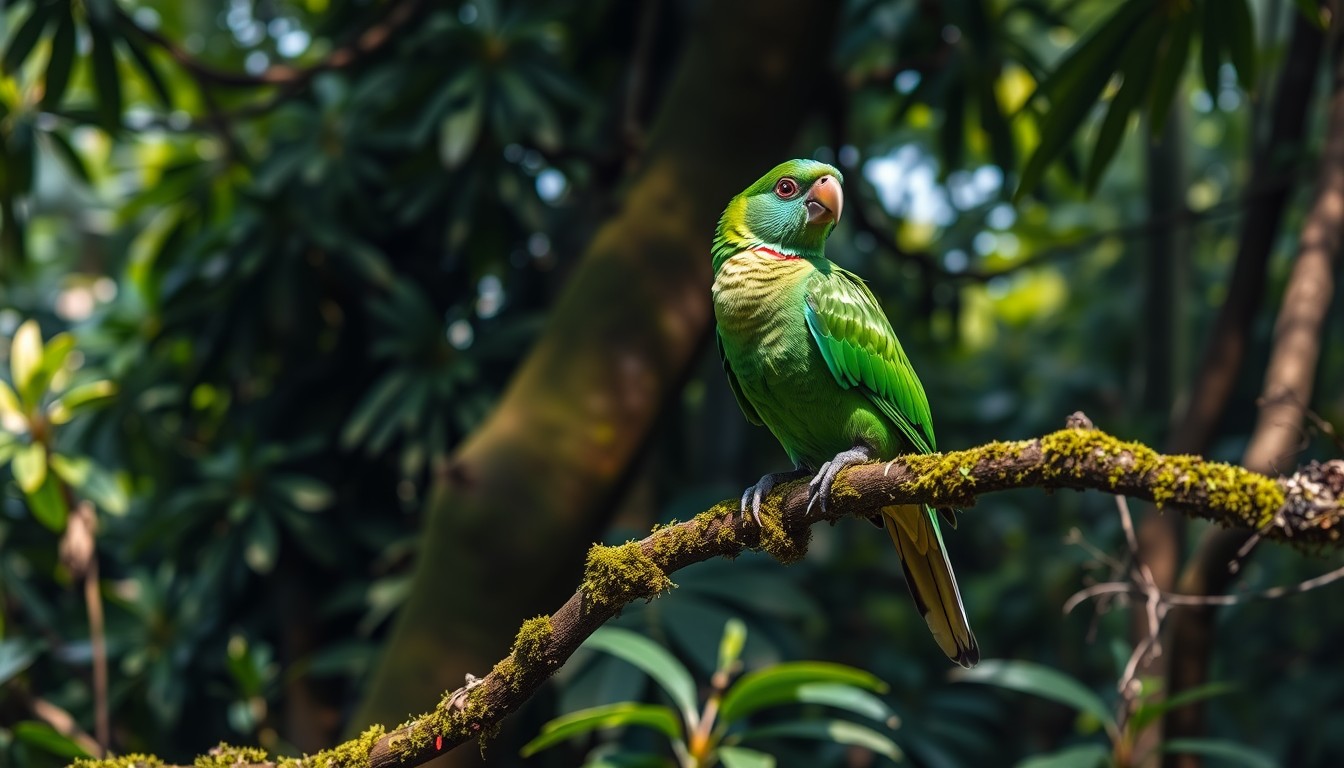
<point>820,487</point>
<point>751,498</point>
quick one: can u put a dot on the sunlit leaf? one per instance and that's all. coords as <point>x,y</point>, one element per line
<point>730,645</point>
<point>62,408</point>
<point>653,660</point>
<point>838,731</point>
<point>623,714</point>
<point>73,470</point>
<point>48,505</point>
<point>9,402</point>
<point>25,357</point>
<point>741,757</point>
<point>1040,680</point>
<point>781,682</point>
<point>25,37</point>
<point>30,466</point>
<point>1227,752</point>
<point>147,69</point>
<point>1150,711</point>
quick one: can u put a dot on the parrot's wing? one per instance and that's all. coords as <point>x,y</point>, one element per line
<point>861,350</point>
<point>748,409</point>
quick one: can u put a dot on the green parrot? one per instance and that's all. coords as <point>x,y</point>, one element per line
<point>810,355</point>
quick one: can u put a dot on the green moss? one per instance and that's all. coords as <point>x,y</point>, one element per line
<point>613,576</point>
<point>782,539</point>
<point>529,646</point>
<point>125,761</point>
<point>226,755</point>
<point>351,754</point>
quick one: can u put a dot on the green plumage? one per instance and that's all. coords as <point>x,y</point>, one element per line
<point>810,355</point>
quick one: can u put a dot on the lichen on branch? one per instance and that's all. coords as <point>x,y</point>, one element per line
<point>1304,509</point>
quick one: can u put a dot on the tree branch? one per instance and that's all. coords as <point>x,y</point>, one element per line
<point>1306,510</point>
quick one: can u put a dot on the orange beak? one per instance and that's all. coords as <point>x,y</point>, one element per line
<point>824,200</point>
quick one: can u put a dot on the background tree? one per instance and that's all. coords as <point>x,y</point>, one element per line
<point>403,304</point>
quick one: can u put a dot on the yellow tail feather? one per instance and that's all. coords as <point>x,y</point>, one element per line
<point>932,584</point>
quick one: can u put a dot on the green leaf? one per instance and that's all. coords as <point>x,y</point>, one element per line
<point>60,62</point>
<point>1081,756</point>
<point>1170,68</point>
<point>1225,750</point>
<point>30,467</point>
<point>305,493</point>
<point>730,645</point>
<point>372,408</point>
<point>9,402</point>
<point>66,153</point>
<point>1040,680</point>
<point>741,757</point>
<point>9,445</point>
<point>73,470</point>
<point>1311,10</point>
<point>1075,85</point>
<point>107,83</point>
<point>780,683</point>
<point>1211,43</point>
<point>458,133</point>
<point>25,37</point>
<point>25,357</point>
<point>48,739</point>
<point>147,68</point>
<point>838,731</point>
<point>263,544</point>
<point>63,407</point>
<point>48,506</point>
<point>622,714</point>
<point>1137,68</point>
<point>1241,41</point>
<point>16,655</point>
<point>1151,710</point>
<point>654,661</point>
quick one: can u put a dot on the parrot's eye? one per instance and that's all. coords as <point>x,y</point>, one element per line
<point>786,188</point>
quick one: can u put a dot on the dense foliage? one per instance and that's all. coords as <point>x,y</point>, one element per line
<point>282,265</point>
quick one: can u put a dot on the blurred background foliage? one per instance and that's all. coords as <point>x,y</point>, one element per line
<point>279,267</point>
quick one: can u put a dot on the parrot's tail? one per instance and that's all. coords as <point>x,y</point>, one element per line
<point>920,544</point>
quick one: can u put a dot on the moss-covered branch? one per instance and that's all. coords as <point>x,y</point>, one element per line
<point>1304,509</point>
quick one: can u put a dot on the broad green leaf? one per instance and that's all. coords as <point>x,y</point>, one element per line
<point>1241,40</point>
<point>16,654</point>
<point>62,408</point>
<point>1170,69</point>
<point>772,685</point>
<point>60,62</point>
<point>30,466</point>
<point>730,645</point>
<point>106,80</point>
<point>848,698</point>
<point>9,402</point>
<point>1228,752</point>
<point>54,355</point>
<point>25,357</point>
<point>48,739</point>
<point>25,37</point>
<point>9,445</point>
<point>741,757</point>
<point>1151,710</point>
<point>1081,756</point>
<point>1040,680</point>
<point>73,470</point>
<point>105,491</point>
<point>1136,67</point>
<point>147,68</point>
<point>626,713</point>
<point>654,661</point>
<point>48,505</point>
<point>458,133</point>
<point>838,731</point>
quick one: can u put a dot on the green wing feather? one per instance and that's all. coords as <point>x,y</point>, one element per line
<point>862,350</point>
<point>747,409</point>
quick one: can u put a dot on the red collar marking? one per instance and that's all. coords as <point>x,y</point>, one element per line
<point>776,254</point>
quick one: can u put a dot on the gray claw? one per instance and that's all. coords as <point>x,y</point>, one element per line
<point>751,498</point>
<point>820,487</point>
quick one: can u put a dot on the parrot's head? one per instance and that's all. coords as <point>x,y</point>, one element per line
<point>791,210</point>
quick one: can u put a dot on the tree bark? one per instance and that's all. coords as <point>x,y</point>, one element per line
<point>528,490</point>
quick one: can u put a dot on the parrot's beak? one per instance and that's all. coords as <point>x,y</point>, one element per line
<point>824,200</point>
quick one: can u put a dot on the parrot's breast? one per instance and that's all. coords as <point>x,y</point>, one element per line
<point>759,306</point>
